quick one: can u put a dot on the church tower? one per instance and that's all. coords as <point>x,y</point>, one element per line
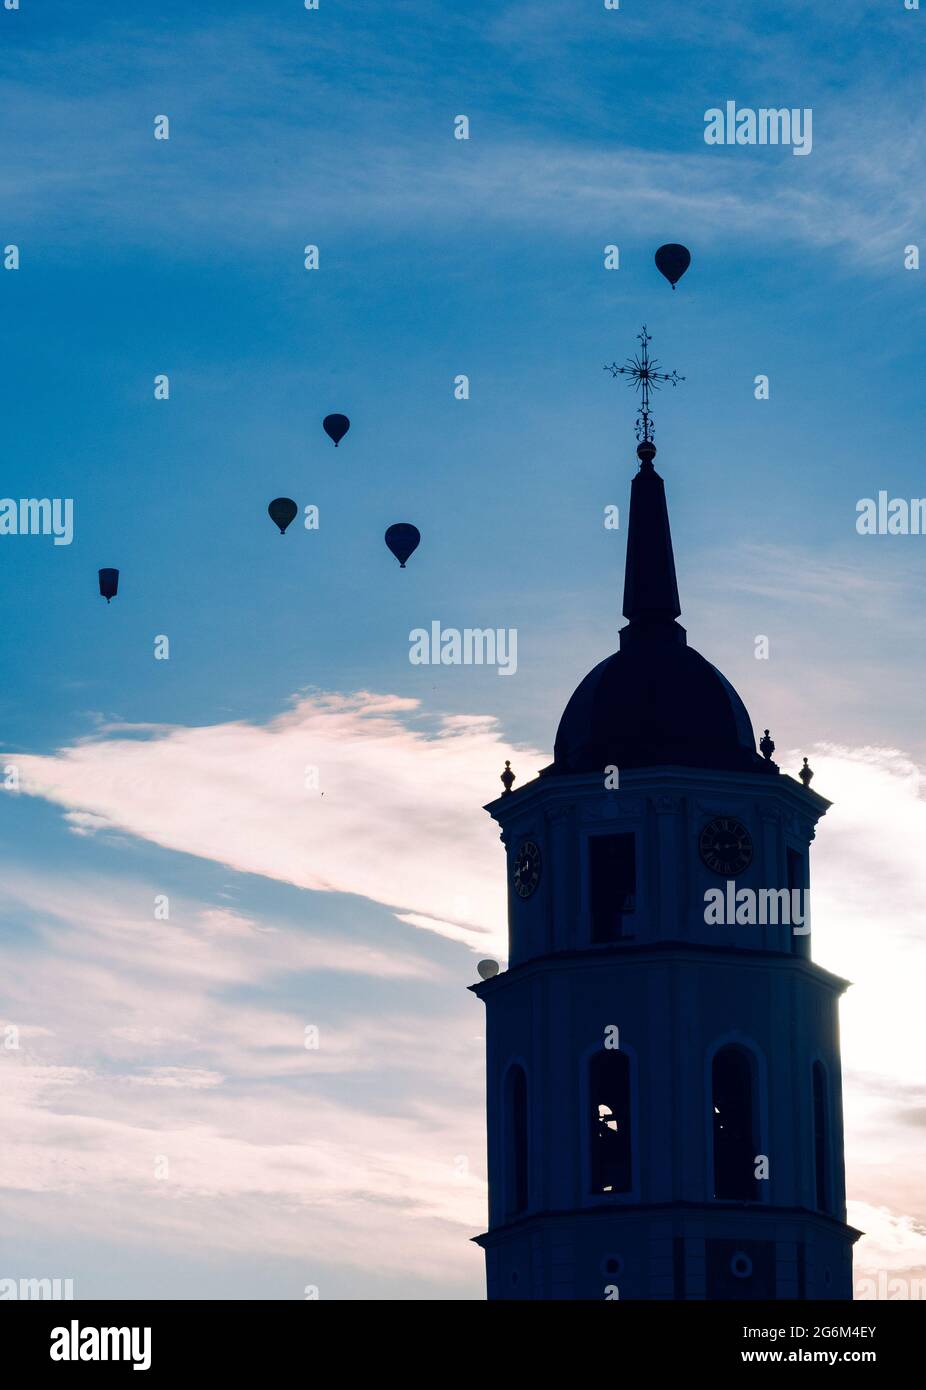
<point>663,1074</point>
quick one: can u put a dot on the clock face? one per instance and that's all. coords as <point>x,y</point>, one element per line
<point>526,869</point>
<point>725,846</point>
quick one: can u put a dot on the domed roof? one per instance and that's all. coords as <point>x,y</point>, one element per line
<point>656,702</point>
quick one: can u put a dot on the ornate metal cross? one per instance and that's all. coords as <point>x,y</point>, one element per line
<point>644,377</point>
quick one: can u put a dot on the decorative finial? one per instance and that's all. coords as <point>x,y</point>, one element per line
<point>507,778</point>
<point>805,774</point>
<point>644,377</point>
<point>766,746</point>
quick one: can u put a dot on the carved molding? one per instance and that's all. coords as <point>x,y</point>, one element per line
<point>800,828</point>
<point>611,806</point>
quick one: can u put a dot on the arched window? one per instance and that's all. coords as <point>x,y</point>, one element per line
<point>819,1134</point>
<point>735,1143</point>
<point>515,1141</point>
<point>609,1104</point>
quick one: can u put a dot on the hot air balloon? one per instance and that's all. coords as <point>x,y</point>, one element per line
<point>488,969</point>
<point>673,260</point>
<point>109,584</point>
<point>402,539</point>
<point>282,510</point>
<point>336,426</point>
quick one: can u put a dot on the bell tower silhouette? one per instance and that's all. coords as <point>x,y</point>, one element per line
<point>663,1074</point>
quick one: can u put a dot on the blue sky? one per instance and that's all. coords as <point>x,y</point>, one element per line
<point>184,777</point>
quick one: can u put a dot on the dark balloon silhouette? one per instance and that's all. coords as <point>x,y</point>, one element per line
<point>336,426</point>
<point>109,584</point>
<point>402,539</point>
<point>673,260</point>
<point>282,510</point>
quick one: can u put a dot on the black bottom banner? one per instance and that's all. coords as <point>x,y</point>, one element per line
<point>163,1338</point>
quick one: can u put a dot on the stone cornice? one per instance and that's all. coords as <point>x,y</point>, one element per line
<point>682,951</point>
<point>662,781</point>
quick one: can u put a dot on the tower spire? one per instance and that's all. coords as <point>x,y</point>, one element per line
<point>650,587</point>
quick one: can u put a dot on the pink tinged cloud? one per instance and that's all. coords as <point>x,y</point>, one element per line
<point>156,1052</point>
<point>400,822</point>
<point>342,794</point>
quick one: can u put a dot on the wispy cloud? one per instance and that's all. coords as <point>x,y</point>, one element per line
<point>142,1038</point>
<point>161,1087</point>
<point>796,576</point>
<point>374,156</point>
<point>329,796</point>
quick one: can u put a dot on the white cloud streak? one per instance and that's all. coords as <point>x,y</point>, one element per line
<point>87,156</point>
<point>395,812</point>
<point>410,797</point>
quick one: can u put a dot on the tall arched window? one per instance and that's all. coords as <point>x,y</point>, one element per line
<point>819,1134</point>
<point>515,1141</point>
<point>609,1102</point>
<point>735,1141</point>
